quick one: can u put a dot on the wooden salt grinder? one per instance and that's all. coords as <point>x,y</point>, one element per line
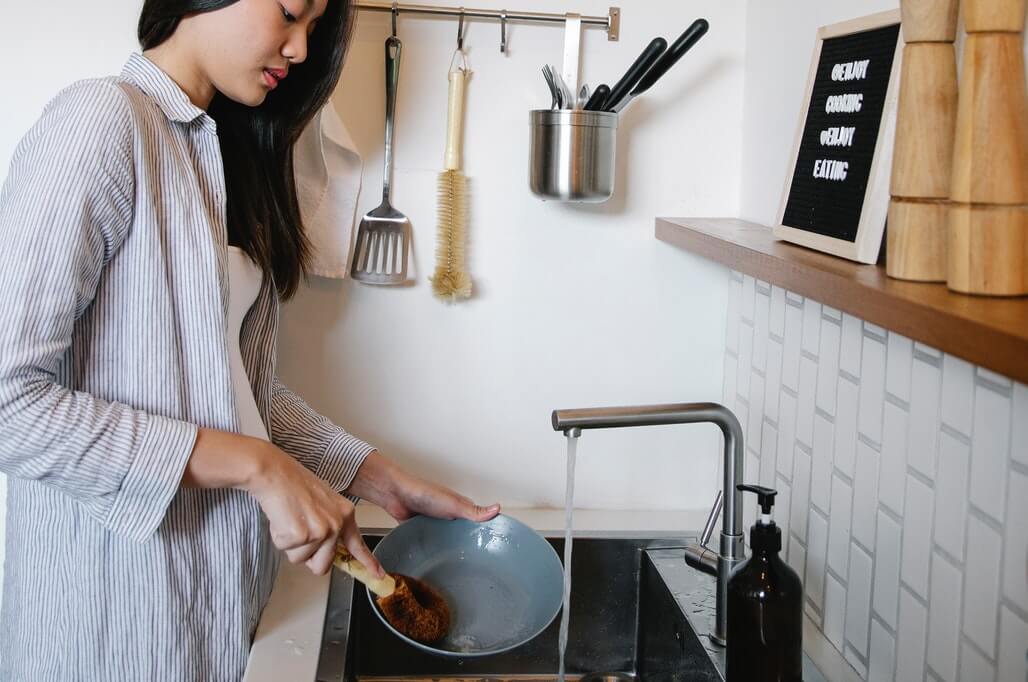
<point>923,154</point>
<point>988,224</point>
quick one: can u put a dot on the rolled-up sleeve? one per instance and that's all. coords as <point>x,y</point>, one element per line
<point>65,209</point>
<point>314,440</point>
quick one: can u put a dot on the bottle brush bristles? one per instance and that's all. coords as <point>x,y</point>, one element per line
<point>450,281</point>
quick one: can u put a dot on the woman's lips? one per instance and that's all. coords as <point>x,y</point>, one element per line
<point>269,79</point>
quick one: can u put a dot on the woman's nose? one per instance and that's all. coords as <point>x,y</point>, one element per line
<point>295,49</point>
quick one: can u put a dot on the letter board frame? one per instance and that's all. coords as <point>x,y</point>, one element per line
<point>846,219</point>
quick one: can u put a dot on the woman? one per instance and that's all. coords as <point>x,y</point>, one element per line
<point>155,463</point>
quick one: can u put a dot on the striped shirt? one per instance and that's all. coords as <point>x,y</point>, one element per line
<point>113,351</point>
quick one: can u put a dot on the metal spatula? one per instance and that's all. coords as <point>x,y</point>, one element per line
<point>383,236</point>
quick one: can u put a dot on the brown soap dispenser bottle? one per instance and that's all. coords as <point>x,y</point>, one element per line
<point>765,607</point>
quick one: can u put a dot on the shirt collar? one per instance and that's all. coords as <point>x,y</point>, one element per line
<point>160,87</point>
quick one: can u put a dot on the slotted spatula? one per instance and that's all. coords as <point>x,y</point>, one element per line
<point>383,236</point>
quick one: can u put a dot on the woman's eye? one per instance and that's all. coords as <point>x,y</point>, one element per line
<point>288,17</point>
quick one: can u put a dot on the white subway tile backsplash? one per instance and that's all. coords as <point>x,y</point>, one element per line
<point>745,369</point>
<point>1019,444</point>
<point>811,325</point>
<point>835,612</point>
<point>883,655</point>
<point>910,638</point>
<point>805,401</point>
<point>990,451</point>
<point>951,495</point>
<point>858,599</point>
<point>981,584</point>
<point>786,435</point>
<point>1015,550</point>
<point>917,536</point>
<point>734,305</point>
<point>1013,647</point>
<point>776,320</point>
<point>872,389</point>
<point>865,496</point>
<point>893,479</point>
<point>729,388</point>
<point>821,464</point>
<point>957,393</point>
<point>930,351</point>
<point>749,291</point>
<point>773,384</point>
<point>791,349</point>
<point>839,526</point>
<point>887,569</point>
<point>749,502</point>
<point>782,509</point>
<point>875,330</point>
<point>817,550</point>
<point>769,442</point>
<point>846,426</point>
<point>800,493</point>
<point>760,330</point>
<point>756,413</point>
<point>901,353</point>
<point>923,442</point>
<point>975,667</point>
<point>828,366</point>
<point>797,557</point>
<point>944,618</point>
<point>852,339</point>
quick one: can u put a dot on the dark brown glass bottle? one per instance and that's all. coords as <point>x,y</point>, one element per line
<point>765,608</point>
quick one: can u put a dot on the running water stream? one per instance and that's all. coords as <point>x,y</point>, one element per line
<point>569,496</point>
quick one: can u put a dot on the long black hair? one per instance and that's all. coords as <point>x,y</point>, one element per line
<point>257,142</point>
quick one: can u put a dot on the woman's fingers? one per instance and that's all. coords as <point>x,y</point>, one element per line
<point>474,512</point>
<point>354,544</point>
<point>321,561</point>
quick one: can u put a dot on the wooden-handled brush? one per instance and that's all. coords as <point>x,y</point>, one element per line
<point>412,607</point>
<point>451,281</point>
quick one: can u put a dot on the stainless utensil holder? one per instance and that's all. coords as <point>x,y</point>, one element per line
<point>572,154</point>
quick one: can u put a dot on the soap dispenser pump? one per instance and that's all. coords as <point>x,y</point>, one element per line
<point>765,607</point>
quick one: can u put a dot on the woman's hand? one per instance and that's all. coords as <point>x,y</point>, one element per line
<point>404,495</point>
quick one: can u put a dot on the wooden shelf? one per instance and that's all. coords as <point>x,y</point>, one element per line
<point>991,332</point>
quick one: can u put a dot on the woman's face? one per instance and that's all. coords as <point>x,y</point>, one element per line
<point>247,47</point>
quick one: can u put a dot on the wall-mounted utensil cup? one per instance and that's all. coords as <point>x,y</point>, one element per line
<point>572,154</point>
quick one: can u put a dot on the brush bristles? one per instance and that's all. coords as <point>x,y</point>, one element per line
<point>450,281</point>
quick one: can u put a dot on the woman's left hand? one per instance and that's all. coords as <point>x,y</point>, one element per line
<point>404,495</point>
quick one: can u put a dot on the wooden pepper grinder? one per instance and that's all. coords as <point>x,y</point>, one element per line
<point>923,154</point>
<point>988,223</point>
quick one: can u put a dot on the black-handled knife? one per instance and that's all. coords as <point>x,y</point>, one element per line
<point>598,98</point>
<point>673,54</point>
<point>643,63</point>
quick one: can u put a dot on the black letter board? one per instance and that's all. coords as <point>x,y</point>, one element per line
<point>836,197</point>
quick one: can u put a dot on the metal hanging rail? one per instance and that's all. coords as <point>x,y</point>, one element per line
<point>611,22</point>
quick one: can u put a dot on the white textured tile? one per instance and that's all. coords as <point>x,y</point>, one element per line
<point>1015,551</point>
<point>974,667</point>
<point>733,314</point>
<point>831,312</point>
<point>887,569</point>
<point>872,389</point>
<point>875,329</point>
<point>990,452</point>
<point>773,385</point>
<point>944,618</point>
<point>750,474</point>
<point>756,413</point>
<point>855,663</point>
<point>760,330</point>
<point>839,527</point>
<point>928,350</point>
<point>805,401</point>
<point>882,661</point>
<point>835,612</point>
<point>901,353</point>
<point>981,584</point>
<point>1020,439</point>
<point>850,349</point>
<point>865,496</point>
<point>893,479</point>
<point>797,557</point>
<point>782,508</point>
<point>800,493</point>
<point>858,599</point>
<point>821,466</point>
<point>924,418</point>
<point>776,320</point>
<point>749,290</point>
<point>994,377</point>
<point>768,445</point>
<point>745,360</point>
<point>816,555</point>
<point>811,325</point>
<point>1013,647</point>
<point>846,426</point>
<point>786,434</point>
<point>729,388</point>
<point>792,346</point>
<point>951,495</point>
<point>957,393</point>
<point>828,366</point>
<point>910,638</point>
<point>917,536</point>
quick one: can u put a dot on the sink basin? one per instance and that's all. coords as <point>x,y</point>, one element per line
<point>624,619</point>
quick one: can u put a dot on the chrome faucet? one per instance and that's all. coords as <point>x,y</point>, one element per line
<point>699,556</point>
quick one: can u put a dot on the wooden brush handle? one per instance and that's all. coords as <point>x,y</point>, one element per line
<point>345,562</point>
<point>929,20</point>
<point>455,119</point>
